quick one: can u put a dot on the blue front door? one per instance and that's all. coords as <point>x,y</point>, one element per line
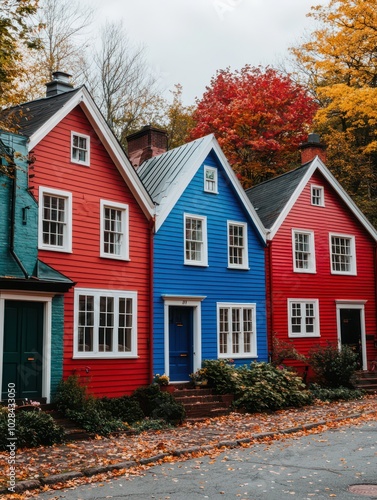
<point>180,343</point>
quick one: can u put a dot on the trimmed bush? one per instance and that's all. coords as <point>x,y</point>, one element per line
<point>159,405</point>
<point>124,408</point>
<point>333,367</point>
<point>261,387</point>
<point>70,395</point>
<point>335,394</point>
<point>221,375</point>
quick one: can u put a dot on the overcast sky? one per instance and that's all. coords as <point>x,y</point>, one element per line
<point>187,41</point>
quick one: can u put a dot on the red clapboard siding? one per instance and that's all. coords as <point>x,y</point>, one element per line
<point>335,217</point>
<point>88,185</point>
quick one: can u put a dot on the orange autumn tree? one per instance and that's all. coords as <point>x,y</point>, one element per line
<point>259,117</point>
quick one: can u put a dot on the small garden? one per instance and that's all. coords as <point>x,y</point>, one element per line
<point>257,387</point>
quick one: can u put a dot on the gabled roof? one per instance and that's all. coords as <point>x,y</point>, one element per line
<point>166,177</point>
<point>273,199</point>
<point>37,118</point>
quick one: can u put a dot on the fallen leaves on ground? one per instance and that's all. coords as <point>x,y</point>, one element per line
<point>46,461</point>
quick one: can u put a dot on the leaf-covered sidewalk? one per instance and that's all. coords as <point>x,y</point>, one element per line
<point>102,458</point>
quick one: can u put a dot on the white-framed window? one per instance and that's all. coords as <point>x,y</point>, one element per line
<point>210,180</point>
<point>105,324</point>
<point>236,330</point>
<point>303,318</point>
<point>114,227</point>
<point>237,245</point>
<point>195,240</point>
<point>317,196</point>
<point>342,254</point>
<point>80,148</point>
<point>55,220</point>
<point>303,251</point>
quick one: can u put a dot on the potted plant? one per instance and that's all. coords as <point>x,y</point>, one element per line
<point>163,382</point>
<point>199,378</point>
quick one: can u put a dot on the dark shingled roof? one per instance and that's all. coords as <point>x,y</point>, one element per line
<point>27,118</point>
<point>161,172</point>
<point>270,197</point>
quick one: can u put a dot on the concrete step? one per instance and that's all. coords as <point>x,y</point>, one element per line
<point>367,381</point>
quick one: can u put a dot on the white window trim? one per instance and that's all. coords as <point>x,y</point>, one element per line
<point>240,355</point>
<point>245,253</point>
<point>321,188</point>
<point>67,238</point>
<point>213,169</point>
<point>312,261</point>
<point>125,250</point>
<point>96,354</point>
<point>352,238</point>
<point>316,332</point>
<point>87,137</point>
<point>204,261</point>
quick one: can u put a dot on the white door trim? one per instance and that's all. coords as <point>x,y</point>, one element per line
<point>47,318</point>
<point>353,304</point>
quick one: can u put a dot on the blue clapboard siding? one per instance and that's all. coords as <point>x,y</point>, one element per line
<point>216,282</point>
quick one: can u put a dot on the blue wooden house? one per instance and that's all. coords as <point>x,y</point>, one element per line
<point>209,298</point>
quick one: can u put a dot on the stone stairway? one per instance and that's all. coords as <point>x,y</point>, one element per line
<point>367,380</point>
<point>202,403</point>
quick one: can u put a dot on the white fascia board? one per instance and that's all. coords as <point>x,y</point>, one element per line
<point>318,164</point>
<point>115,151</point>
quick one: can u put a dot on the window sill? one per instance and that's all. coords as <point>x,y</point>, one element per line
<point>105,356</point>
<point>235,268</point>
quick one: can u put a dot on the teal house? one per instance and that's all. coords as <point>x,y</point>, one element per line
<point>31,292</point>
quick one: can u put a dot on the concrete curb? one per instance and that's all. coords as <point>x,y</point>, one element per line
<point>92,471</point>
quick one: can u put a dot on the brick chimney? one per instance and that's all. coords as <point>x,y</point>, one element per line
<point>60,83</point>
<point>312,148</point>
<point>145,144</point>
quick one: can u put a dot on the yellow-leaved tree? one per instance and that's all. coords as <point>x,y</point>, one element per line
<point>339,59</point>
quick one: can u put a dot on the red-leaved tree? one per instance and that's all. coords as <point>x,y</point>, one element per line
<point>259,118</point>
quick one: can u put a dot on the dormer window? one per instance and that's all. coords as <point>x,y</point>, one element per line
<point>210,180</point>
<point>80,148</point>
<point>318,196</point>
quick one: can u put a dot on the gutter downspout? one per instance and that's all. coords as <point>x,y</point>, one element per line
<point>12,224</point>
<point>151,296</point>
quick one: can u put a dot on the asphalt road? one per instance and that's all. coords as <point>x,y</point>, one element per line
<point>318,466</point>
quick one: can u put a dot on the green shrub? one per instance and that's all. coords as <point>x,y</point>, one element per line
<point>95,419</point>
<point>124,408</point>
<point>333,367</point>
<point>159,405</point>
<point>221,375</point>
<point>335,394</point>
<point>70,395</point>
<point>261,387</point>
<point>148,424</point>
<point>33,428</point>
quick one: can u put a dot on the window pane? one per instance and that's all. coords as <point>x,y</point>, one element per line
<point>85,323</point>
<point>106,322</point>
<point>236,244</point>
<point>236,330</point>
<point>54,220</point>
<point>113,232</point>
<point>194,239</point>
<point>224,330</point>
<point>341,257</point>
<point>247,329</point>
<point>125,325</point>
<point>302,250</point>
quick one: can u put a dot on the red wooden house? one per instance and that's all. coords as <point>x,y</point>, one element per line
<point>321,259</point>
<point>94,227</point>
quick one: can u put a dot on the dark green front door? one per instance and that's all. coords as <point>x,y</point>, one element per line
<point>23,348</point>
<point>351,331</point>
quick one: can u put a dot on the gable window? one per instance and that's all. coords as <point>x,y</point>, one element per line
<point>303,251</point>
<point>55,220</point>
<point>195,240</point>
<point>237,245</point>
<point>80,148</point>
<point>303,318</point>
<point>236,330</point>
<point>105,323</point>
<point>317,196</point>
<point>210,179</point>
<point>114,230</point>
<point>343,254</point>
